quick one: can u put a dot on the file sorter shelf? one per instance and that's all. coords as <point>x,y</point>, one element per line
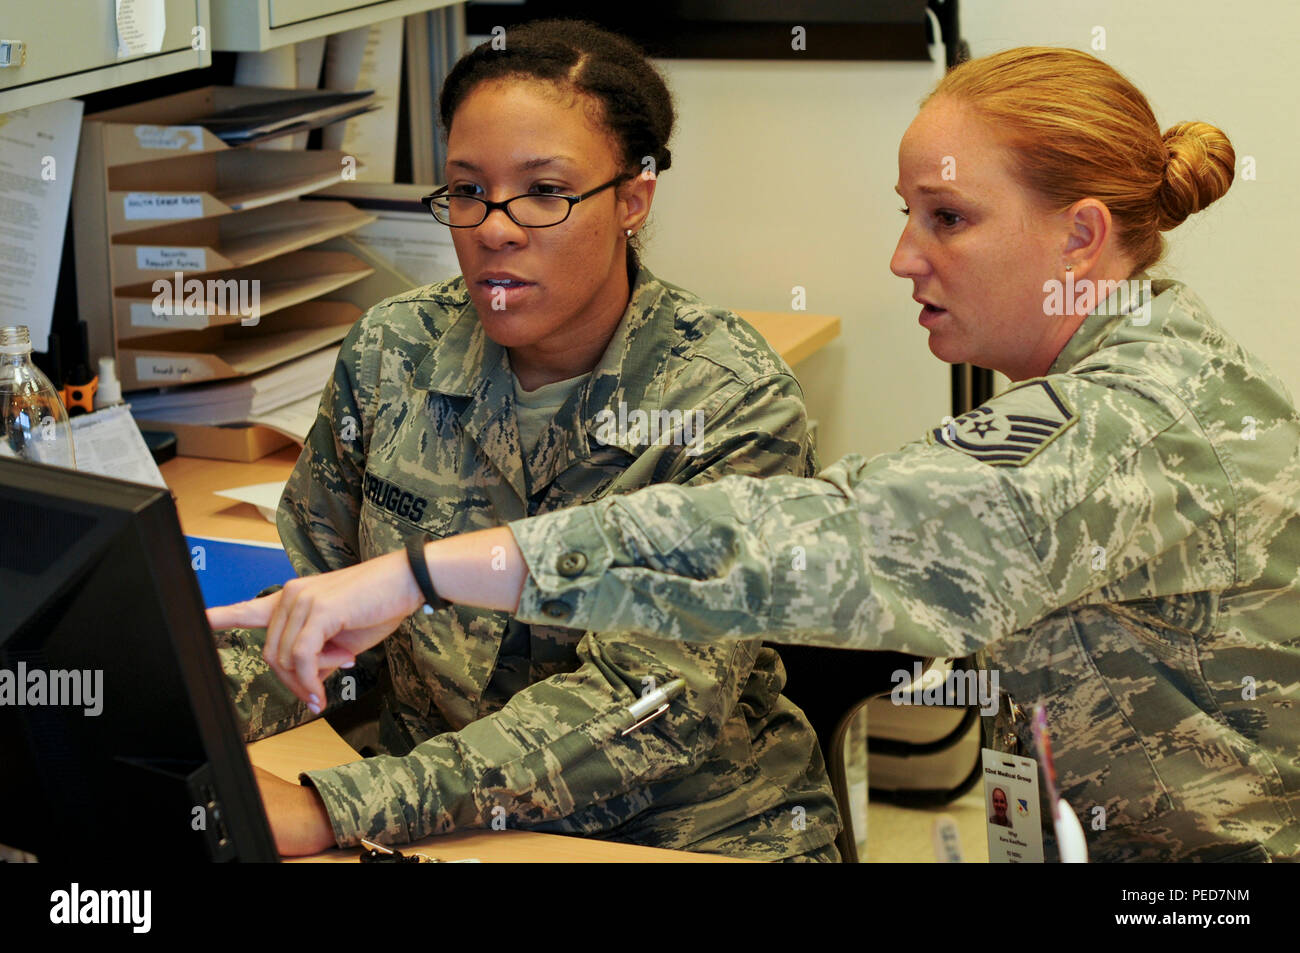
<point>156,194</point>
<point>297,277</point>
<point>237,399</point>
<point>147,194</point>
<point>152,166</point>
<point>230,241</point>
<point>225,352</point>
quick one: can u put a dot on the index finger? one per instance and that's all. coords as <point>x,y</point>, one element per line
<point>306,656</point>
<point>251,614</point>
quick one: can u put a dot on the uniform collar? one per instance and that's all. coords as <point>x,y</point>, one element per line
<point>456,361</point>
<point>1111,317</point>
<point>628,375</point>
<point>464,362</point>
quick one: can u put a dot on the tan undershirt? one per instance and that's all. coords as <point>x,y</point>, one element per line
<point>535,409</point>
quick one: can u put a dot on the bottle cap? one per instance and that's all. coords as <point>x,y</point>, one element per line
<point>110,388</point>
<point>15,340</point>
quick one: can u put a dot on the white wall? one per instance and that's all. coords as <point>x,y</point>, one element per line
<point>783,174</point>
<point>1230,64</point>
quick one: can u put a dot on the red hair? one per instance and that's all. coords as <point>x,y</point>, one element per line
<point>1077,128</point>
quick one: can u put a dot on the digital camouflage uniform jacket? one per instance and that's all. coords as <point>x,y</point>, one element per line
<point>1121,538</point>
<point>522,724</point>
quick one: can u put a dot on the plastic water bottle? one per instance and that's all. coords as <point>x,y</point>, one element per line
<point>35,422</point>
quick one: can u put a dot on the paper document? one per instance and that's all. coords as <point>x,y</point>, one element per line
<point>38,153</point>
<point>140,27</point>
<point>265,496</point>
<point>368,58</point>
<point>109,443</point>
<point>293,420</point>
<point>240,400</point>
<point>254,122</point>
<point>407,242</point>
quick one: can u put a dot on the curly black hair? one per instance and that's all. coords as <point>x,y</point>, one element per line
<point>635,105</point>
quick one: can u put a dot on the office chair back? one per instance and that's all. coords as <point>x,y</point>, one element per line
<point>830,685</point>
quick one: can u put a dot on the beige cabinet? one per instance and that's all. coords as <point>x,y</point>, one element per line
<point>265,24</point>
<point>71,49</point>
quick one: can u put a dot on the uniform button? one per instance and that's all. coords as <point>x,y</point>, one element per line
<point>555,609</point>
<point>571,564</point>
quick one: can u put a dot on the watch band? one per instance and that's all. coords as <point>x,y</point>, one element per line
<point>420,569</point>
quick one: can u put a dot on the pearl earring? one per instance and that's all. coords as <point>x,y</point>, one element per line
<point>628,232</point>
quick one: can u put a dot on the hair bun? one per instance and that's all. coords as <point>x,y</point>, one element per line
<point>1200,169</point>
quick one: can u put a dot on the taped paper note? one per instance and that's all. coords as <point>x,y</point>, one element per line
<point>367,58</point>
<point>38,151</point>
<point>140,26</point>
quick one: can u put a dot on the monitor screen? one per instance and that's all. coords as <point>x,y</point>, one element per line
<point>114,715</point>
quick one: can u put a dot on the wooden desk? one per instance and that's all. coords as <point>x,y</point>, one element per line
<point>316,745</point>
<point>195,480</point>
<point>794,335</point>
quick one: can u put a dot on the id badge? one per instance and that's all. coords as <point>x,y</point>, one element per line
<point>1015,825</point>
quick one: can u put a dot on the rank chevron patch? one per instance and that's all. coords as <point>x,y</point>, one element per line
<point>1021,422</point>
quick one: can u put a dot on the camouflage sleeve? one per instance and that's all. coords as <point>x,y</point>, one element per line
<point>932,549</point>
<point>760,430</point>
<point>263,705</point>
<point>557,747</point>
<point>317,520</point>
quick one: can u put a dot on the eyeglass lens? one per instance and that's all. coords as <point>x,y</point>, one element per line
<point>528,210</point>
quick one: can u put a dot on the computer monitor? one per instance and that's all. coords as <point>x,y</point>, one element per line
<point>116,727</point>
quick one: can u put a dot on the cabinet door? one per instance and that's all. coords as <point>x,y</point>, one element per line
<point>259,25</point>
<point>71,48</point>
<point>284,12</point>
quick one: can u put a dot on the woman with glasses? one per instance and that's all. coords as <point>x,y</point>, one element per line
<point>555,370</point>
<point>1117,532</point>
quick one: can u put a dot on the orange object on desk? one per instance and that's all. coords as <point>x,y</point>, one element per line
<point>80,396</point>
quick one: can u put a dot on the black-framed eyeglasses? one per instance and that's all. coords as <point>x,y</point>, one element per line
<point>531,210</point>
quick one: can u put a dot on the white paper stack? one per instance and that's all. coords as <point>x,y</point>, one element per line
<point>293,420</point>
<point>242,399</point>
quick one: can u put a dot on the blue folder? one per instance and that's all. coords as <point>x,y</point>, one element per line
<point>230,571</point>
